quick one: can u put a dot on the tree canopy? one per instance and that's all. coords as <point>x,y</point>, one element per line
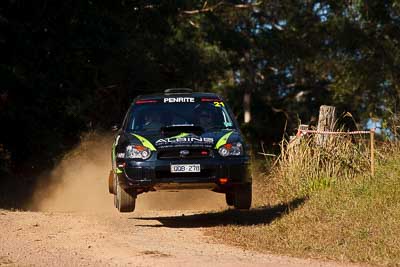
<point>75,65</point>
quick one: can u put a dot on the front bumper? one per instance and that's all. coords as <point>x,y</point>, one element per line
<point>151,175</point>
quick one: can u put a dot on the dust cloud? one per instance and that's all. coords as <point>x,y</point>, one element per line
<point>79,183</point>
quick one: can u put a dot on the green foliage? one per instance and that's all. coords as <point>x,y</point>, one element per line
<point>71,66</point>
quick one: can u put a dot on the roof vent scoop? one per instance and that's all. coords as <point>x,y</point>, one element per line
<point>178,91</point>
<point>173,130</point>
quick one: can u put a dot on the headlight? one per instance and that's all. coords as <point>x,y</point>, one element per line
<point>234,149</point>
<point>137,152</point>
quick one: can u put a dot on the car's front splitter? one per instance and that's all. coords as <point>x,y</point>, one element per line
<point>217,174</point>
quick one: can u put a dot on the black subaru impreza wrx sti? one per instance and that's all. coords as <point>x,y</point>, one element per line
<point>179,140</point>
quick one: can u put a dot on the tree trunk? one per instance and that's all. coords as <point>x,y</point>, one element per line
<point>249,87</point>
<point>247,105</point>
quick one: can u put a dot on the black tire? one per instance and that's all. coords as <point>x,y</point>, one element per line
<point>230,198</point>
<point>242,199</point>
<point>124,201</point>
<point>115,194</point>
<point>112,183</point>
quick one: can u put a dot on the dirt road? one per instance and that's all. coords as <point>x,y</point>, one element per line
<point>141,239</point>
<point>144,238</point>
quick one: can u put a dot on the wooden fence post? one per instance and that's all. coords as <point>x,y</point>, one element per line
<point>326,122</point>
<point>372,137</point>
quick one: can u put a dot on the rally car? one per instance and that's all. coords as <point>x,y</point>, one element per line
<point>179,140</point>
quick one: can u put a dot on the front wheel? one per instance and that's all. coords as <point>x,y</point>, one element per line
<point>242,197</point>
<point>230,198</point>
<point>124,201</point>
<point>111,182</point>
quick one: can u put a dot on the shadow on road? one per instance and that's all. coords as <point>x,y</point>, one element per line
<point>262,215</point>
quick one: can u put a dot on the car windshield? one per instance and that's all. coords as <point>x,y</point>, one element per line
<point>153,116</point>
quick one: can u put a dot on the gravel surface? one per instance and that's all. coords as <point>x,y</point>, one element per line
<point>110,239</point>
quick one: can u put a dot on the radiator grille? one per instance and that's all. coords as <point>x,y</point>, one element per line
<point>191,153</point>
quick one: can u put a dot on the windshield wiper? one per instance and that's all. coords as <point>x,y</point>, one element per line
<point>179,125</point>
<point>217,128</point>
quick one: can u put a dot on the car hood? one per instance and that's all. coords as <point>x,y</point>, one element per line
<point>210,139</point>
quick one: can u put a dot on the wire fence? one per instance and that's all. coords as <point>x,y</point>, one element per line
<point>334,133</point>
<point>371,132</point>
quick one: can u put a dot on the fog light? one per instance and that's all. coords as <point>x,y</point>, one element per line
<point>122,165</point>
<point>223,180</point>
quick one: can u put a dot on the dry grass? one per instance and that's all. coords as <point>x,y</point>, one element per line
<point>347,216</point>
<point>304,166</point>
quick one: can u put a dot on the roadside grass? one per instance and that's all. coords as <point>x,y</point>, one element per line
<point>347,216</point>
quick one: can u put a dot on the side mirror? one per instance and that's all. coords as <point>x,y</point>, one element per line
<point>114,128</point>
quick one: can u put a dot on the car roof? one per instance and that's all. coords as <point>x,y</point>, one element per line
<point>177,92</point>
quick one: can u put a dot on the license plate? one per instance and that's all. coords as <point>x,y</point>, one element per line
<point>185,168</point>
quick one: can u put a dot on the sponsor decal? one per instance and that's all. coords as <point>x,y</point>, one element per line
<point>180,135</point>
<point>184,153</point>
<point>113,148</point>
<point>223,140</point>
<point>219,104</point>
<point>177,140</point>
<point>145,142</point>
<point>179,100</point>
<point>117,140</point>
